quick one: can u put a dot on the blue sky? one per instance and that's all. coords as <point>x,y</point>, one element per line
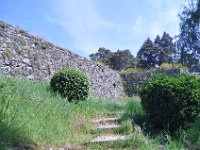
<point>83,26</point>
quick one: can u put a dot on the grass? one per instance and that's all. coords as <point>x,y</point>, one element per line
<point>184,139</point>
<point>193,135</point>
<point>31,113</point>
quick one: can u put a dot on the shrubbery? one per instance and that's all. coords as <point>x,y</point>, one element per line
<point>171,69</point>
<point>133,78</point>
<point>71,84</point>
<point>170,102</point>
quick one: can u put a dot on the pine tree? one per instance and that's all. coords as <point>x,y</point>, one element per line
<point>188,43</point>
<point>166,47</point>
<point>148,55</point>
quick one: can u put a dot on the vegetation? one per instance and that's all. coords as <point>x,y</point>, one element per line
<point>153,54</point>
<point>122,59</point>
<point>71,84</point>
<point>166,117</point>
<point>133,78</point>
<point>187,44</point>
<point>182,140</point>
<point>185,49</point>
<point>150,55</point>
<point>170,102</point>
<point>36,116</point>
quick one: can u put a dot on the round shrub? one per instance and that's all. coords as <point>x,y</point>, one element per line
<point>71,84</point>
<point>170,102</point>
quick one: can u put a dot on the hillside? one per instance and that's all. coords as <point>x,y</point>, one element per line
<point>34,118</point>
<point>25,55</point>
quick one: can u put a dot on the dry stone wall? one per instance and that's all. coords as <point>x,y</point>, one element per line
<point>22,54</point>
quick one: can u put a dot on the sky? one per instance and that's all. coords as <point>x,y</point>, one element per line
<point>82,26</point>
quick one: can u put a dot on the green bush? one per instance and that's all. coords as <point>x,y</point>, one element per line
<point>71,84</point>
<point>170,102</point>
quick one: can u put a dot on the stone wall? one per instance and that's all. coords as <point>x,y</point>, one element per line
<point>22,54</point>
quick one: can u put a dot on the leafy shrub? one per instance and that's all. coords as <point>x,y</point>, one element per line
<point>171,69</point>
<point>71,84</point>
<point>170,102</point>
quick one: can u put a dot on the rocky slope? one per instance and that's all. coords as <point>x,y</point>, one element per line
<point>22,54</point>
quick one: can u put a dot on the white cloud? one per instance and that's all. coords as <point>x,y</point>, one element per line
<point>138,25</point>
<point>171,15</point>
<point>156,28</point>
<point>81,21</point>
<point>87,29</point>
<point>171,20</point>
<point>157,3</point>
<point>166,17</point>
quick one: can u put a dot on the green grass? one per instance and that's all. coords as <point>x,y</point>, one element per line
<point>193,134</point>
<point>137,142</point>
<point>31,113</point>
<point>183,139</point>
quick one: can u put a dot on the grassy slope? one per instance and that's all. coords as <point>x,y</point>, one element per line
<point>30,113</point>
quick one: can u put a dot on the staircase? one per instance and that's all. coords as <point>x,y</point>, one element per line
<point>109,131</point>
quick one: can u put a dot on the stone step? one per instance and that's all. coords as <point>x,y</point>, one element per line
<point>108,126</point>
<point>115,113</point>
<point>110,138</point>
<point>102,120</point>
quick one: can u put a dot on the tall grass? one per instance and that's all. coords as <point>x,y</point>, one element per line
<point>188,139</point>
<point>30,113</point>
<point>193,135</point>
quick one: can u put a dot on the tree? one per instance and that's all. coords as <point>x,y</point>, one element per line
<point>122,59</point>
<point>154,54</point>
<point>157,40</point>
<point>103,55</point>
<point>188,43</point>
<point>148,55</point>
<point>166,46</point>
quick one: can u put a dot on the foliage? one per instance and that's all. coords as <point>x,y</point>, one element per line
<point>71,84</point>
<point>133,78</point>
<point>134,112</point>
<point>170,69</point>
<point>147,55</point>
<point>170,102</point>
<point>193,134</point>
<point>34,116</point>
<point>130,70</point>
<point>153,54</point>
<point>187,46</point>
<point>166,46</point>
<point>103,55</point>
<point>122,59</point>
